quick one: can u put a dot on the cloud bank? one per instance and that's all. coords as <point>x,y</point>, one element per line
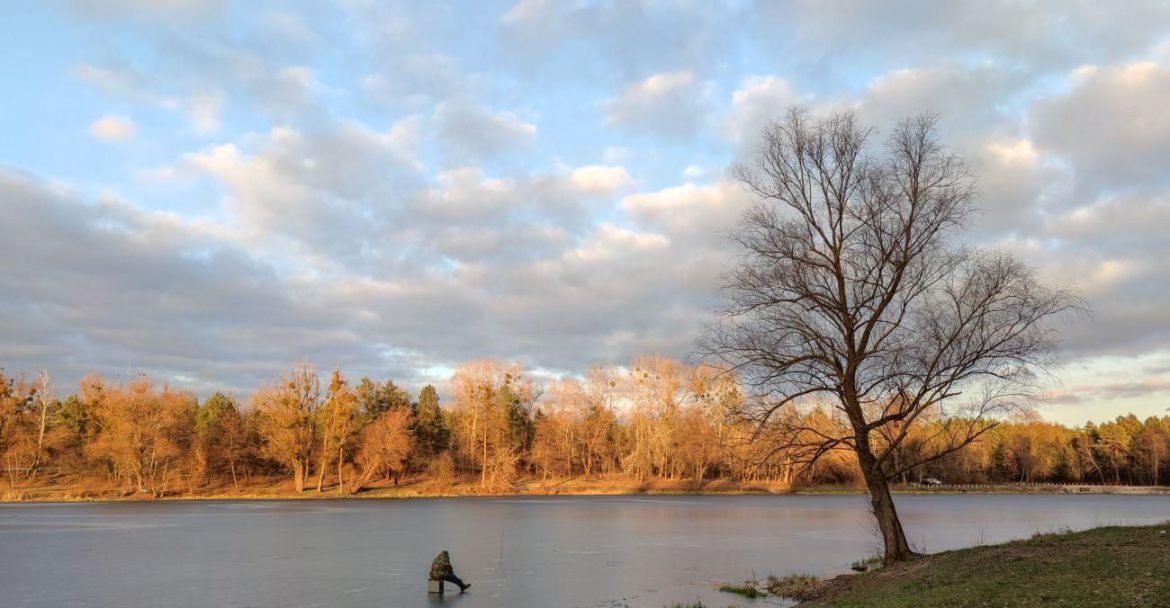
<point>397,188</point>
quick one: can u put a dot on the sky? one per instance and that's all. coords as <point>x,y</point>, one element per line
<point>211,192</point>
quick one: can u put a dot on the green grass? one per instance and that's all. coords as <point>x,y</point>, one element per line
<point>1104,568</point>
<point>747,590</point>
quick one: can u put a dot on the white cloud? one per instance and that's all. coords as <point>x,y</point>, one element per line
<point>425,199</point>
<point>614,154</point>
<point>200,306</point>
<point>758,101</point>
<point>152,8</point>
<point>313,196</point>
<point>601,179</point>
<point>471,132</point>
<point>113,128</point>
<point>298,78</point>
<point>112,79</point>
<point>204,110</point>
<point>528,12</point>
<point>669,104</point>
<point>1016,183</point>
<point>696,214</point>
<point>915,32</point>
<point>1113,126</point>
<point>290,26</point>
<point>968,98</point>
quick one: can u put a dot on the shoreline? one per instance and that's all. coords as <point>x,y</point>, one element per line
<point>1107,566</point>
<point>574,487</point>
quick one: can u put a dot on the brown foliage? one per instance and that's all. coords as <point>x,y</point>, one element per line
<point>386,444</point>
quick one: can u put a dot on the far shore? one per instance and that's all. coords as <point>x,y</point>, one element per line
<point>281,489</point>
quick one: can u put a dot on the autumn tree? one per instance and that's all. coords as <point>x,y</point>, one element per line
<point>657,389</point>
<point>27,412</point>
<point>386,445</point>
<point>703,427</point>
<point>17,400</point>
<point>76,424</point>
<point>493,401</point>
<point>558,425</point>
<point>288,421</point>
<point>1151,447</point>
<point>146,434</point>
<point>221,437</point>
<point>853,289</point>
<point>337,420</point>
<point>545,454</point>
<point>655,417</point>
<point>700,445</point>
<point>599,432</point>
<point>599,452</point>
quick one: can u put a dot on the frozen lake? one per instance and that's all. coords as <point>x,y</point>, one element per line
<point>517,552</point>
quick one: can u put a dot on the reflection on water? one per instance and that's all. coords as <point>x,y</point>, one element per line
<point>516,552</point>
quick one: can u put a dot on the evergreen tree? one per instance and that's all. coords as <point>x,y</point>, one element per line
<point>375,399</point>
<point>432,435</point>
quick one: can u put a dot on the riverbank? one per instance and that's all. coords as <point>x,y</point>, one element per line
<point>1102,567</point>
<point>280,488</point>
<point>75,490</point>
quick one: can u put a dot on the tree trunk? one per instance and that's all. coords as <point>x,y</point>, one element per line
<point>40,437</point>
<point>321,468</point>
<point>1156,464</point>
<point>299,476</point>
<point>893,537</point>
<point>483,463</point>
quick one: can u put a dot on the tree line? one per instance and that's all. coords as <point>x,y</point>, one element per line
<point>655,418</point>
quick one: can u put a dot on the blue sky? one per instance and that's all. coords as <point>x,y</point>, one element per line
<point>210,192</point>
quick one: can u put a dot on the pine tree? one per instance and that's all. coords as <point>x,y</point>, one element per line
<point>432,435</point>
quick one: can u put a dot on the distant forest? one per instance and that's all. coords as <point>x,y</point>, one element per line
<point>653,419</point>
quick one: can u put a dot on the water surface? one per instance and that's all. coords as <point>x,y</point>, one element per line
<point>517,552</point>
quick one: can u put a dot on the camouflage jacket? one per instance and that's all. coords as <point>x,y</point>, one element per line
<point>441,567</point>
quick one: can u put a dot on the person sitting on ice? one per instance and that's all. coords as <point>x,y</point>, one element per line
<point>441,570</point>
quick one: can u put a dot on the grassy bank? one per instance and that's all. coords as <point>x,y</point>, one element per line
<point>1105,567</point>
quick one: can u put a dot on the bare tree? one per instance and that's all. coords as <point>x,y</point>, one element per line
<point>852,292</point>
<point>45,400</point>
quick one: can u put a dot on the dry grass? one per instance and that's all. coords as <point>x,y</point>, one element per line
<point>73,488</point>
<point>794,586</point>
